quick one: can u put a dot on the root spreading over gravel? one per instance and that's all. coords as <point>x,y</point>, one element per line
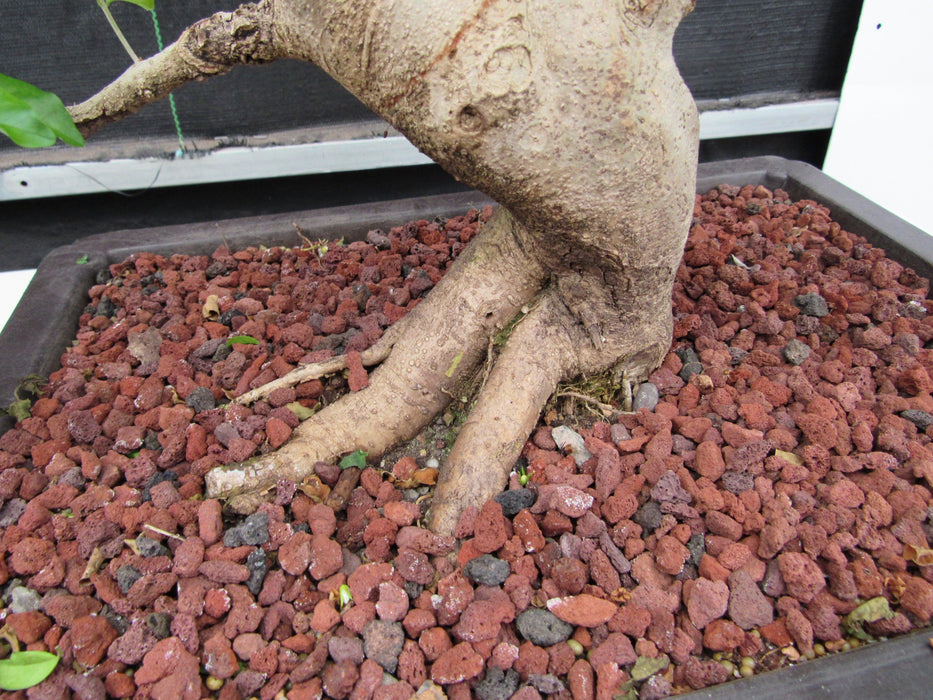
<point>770,501</point>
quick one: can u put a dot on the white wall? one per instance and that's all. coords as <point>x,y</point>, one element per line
<point>882,141</point>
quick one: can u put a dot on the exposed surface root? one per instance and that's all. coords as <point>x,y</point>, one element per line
<point>506,410</point>
<point>445,338</point>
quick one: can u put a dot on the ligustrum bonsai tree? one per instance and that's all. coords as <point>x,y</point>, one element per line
<point>572,115</point>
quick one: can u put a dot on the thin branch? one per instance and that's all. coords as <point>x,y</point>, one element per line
<point>209,47</point>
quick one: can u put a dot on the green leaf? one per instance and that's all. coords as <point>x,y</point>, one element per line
<point>870,611</point>
<point>21,409</point>
<point>354,459</point>
<point>242,340</point>
<point>300,411</point>
<point>34,118</point>
<point>83,260</point>
<point>145,4</point>
<point>25,669</point>
<point>645,666</point>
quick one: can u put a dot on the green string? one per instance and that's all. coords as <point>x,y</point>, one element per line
<point>171,98</point>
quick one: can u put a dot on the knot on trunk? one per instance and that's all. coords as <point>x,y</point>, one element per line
<point>226,39</point>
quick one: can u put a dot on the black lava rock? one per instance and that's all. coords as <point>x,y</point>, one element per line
<point>921,419</point>
<point>253,531</point>
<point>516,500</point>
<point>497,685</point>
<point>258,567</point>
<point>382,642</point>
<point>149,547</point>
<point>201,399</point>
<point>812,304</point>
<point>126,576</point>
<point>487,570</point>
<point>542,627</point>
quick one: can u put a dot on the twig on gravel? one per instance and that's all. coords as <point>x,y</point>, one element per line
<point>164,532</point>
<point>369,357</point>
<point>340,494</point>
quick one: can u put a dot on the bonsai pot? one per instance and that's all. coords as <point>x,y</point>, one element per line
<point>44,324</point>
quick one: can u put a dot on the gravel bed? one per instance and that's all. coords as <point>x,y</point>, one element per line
<point>775,478</point>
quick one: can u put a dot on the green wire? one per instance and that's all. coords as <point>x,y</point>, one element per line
<point>171,98</point>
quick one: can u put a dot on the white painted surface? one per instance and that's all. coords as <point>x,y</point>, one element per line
<point>227,164</point>
<point>12,286</point>
<point>882,142</point>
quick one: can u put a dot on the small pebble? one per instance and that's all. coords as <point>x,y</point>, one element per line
<point>796,351</point>
<point>647,396</point>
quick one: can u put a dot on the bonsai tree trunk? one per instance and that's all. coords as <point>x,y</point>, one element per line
<point>573,117</point>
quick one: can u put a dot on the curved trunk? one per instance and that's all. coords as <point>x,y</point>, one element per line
<point>573,116</point>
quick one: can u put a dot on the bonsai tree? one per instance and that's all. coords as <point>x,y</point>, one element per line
<point>573,117</point>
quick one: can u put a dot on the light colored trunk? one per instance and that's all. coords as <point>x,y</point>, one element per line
<point>569,113</point>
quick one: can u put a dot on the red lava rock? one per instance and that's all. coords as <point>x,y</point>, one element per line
<point>581,680</point>
<point>30,555</point>
<point>219,658</point>
<point>339,679</point>
<point>393,602</point>
<point>709,461</point>
<point>700,674</point>
<point>456,594</point>
<point>616,649</point>
<point>220,571</point>
<point>748,606</point>
<point>528,531</point>
<point>482,620</point>
<point>210,521</point>
<point>457,664</point>
<point>29,627</point>
<point>172,671</point>
<point>295,553</point>
<point>708,601</point>
<point>722,635</point>
<point>800,629</point>
<point>65,609</point>
<point>583,610</point>
<point>358,378</point>
<point>217,602</point>
<point>277,432</point>
<point>671,555</point>
<point>424,541</point>
<point>804,482</point>
<point>119,685</point>
<point>489,528</point>
<point>801,575</point>
<point>917,598</point>
<point>188,557</point>
<point>148,588</point>
<point>90,637</point>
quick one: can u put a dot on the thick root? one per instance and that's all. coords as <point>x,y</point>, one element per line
<point>534,360</point>
<point>445,338</point>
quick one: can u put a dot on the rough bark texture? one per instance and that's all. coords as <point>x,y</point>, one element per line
<point>573,116</point>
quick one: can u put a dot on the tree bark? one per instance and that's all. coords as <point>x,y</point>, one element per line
<point>573,117</point>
